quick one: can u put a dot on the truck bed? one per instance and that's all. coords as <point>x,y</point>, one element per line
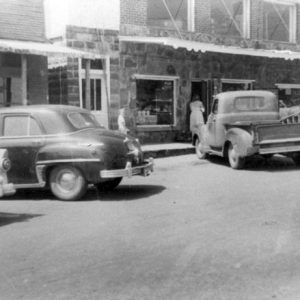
<point>278,138</point>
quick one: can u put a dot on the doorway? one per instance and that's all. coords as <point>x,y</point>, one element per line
<point>99,88</point>
<point>205,89</point>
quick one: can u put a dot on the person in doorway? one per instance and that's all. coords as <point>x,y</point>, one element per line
<point>121,121</point>
<point>196,117</point>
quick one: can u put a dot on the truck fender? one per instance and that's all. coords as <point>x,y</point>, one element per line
<point>242,140</point>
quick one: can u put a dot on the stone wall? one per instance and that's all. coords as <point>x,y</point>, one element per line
<point>155,59</point>
<point>134,24</point>
<point>64,80</point>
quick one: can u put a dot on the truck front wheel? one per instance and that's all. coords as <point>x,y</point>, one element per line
<point>235,161</point>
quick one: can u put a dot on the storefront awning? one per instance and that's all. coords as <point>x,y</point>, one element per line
<point>44,49</point>
<point>208,47</point>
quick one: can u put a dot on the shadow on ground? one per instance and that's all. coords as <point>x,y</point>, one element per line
<point>125,193</point>
<point>276,163</point>
<point>121,193</point>
<point>9,218</point>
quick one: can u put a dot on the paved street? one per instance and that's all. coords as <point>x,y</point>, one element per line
<point>192,230</point>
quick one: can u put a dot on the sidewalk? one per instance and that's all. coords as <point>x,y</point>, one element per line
<point>164,150</point>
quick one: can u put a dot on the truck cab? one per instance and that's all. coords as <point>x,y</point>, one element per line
<point>235,126</point>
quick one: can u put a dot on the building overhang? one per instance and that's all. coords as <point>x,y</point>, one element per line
<point>43,49</point>
<point>208,47</point>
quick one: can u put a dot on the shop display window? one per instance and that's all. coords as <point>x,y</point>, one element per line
<point>155,102</point>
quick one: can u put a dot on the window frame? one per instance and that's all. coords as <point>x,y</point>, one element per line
<point>28,135</point>
<point>292,18</point>
<point>190,24</point>
<point>175,80</point>
<point>245,31</point>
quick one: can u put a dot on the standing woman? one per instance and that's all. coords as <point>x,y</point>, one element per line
<point>196,117</point>
<point>196,125</point>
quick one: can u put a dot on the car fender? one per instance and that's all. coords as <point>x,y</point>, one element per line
<point>86,157</point>
<point>242,140</point>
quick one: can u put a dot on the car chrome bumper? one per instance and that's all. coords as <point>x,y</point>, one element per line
<point>143,170</point>
<point>7,189</point>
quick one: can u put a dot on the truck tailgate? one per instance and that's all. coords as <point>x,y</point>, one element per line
<point>278,138</point>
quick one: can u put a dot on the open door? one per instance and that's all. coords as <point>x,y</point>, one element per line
<point>205,89</point>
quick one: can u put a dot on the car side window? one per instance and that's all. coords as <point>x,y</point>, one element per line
<point>215,107</point>
<point>20,126</point>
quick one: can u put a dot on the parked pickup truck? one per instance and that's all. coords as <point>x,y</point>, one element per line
<point>245,123</point>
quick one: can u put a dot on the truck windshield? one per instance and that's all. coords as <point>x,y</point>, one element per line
<point>254,103</point>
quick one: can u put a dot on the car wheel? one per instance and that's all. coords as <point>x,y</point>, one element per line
<point>235,161</point>
<point>296,158</point>
<point>67,183</point>
<point>198,149</point>
<point>108,185</point>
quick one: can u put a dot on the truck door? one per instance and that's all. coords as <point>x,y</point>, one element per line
<point>211,124</point>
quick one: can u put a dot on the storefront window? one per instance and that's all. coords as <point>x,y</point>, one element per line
<point>155,102</point>
<point>160,14</point>
<point>279,21</point>
<point>230,17</point>
<point>236,85</point>
<point>289,94</point>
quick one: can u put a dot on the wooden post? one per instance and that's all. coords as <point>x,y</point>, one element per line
<point>24,79</point>
<point>88,85</point>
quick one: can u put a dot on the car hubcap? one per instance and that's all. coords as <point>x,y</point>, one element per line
<point>67,181</point>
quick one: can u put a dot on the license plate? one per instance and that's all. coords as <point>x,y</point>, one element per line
<point>146,171</point>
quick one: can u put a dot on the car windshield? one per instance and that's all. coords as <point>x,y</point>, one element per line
<point>82,120</point>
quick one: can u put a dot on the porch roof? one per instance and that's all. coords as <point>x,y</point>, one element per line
<point>208,47</point>
<point>44,49</point>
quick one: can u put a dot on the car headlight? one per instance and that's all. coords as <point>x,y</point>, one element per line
<point>5,164</point>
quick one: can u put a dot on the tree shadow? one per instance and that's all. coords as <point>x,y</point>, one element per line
<point>124,192</point>
<point>9,218</point>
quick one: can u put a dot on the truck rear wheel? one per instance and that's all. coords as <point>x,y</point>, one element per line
<point>235,161</point>
<point>198,149</point>
<point>67,183</point>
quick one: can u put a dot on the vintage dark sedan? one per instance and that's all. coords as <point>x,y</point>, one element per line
<point>65,149</point>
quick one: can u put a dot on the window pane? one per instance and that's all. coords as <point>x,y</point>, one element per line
<point>98,95</point>
<point>254,104</point>
<point>83,120</point>
<point>96,64</point>
<point>276,21</point>
<point>158,14</point>
<point>92,94</point>
<point>155,102</point>
<point>83,93</point>
<point>21,126</point>
<point>227,17</point>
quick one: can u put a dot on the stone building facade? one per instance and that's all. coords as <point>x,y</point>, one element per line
<point>22,21</point>
<point>155,63</point>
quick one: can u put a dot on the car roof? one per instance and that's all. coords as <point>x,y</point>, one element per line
<point>42,108</point>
